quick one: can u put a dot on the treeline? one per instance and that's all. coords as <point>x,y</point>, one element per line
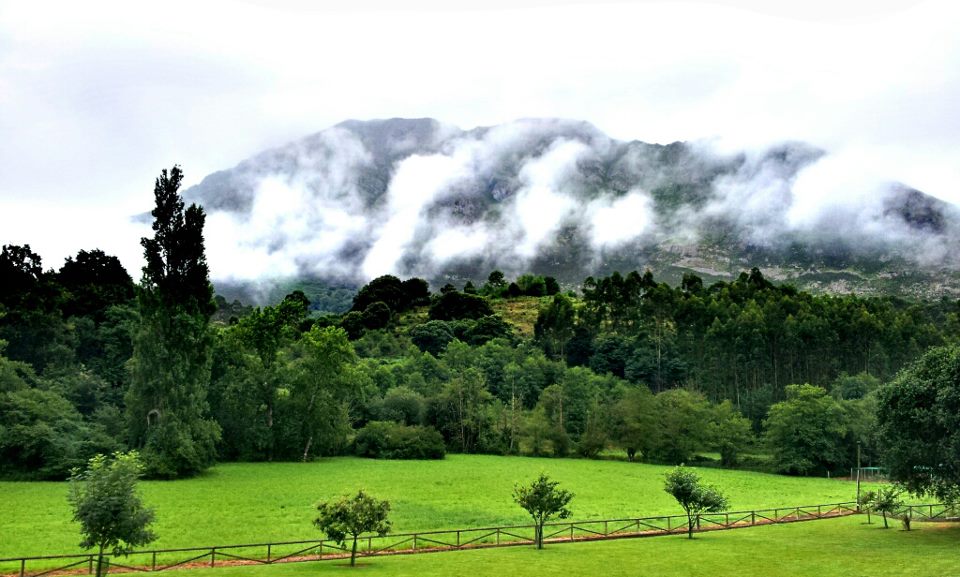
<point>91,362</point>
<point>744,340</point>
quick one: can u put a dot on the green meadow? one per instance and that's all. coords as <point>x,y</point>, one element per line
<point>842,547</point>
<point>258,502</point>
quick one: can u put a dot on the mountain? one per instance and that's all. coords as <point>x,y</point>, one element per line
<point>416,197</point>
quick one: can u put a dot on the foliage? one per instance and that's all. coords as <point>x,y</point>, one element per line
<point>107,505</point>
<point>542,499</point>
<point>695,497</point>
<point>321,378</point>
<point>403,405</point>
<point>387,440</point>
<point>457,305</point>
<point>682,426</point>
<point>886,501</point>
<point>730,433</point>
<point>805,431</point>
<point>635,421</point>
<point>166,403</point>
<point>351,517</point>
<point>919,422</point>
<point>432,336</point>
<point>555,326</point>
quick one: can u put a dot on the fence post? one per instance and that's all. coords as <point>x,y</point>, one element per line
<point>498,535</point>
<point>753,517</point>
<point>414,541</point>
<point>668,524</point>
<point>269,547</point>
<point>213,556</point>
<point>571,531</point>
<point>90,565</point>
<point>606,529</point>
<point>153,561</point>
<point>458,537</point>
<point>23,567</point>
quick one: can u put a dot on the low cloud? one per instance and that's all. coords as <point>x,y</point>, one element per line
<point>421,198</point>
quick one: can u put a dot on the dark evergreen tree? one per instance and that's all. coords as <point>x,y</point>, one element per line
<point>166,404</point>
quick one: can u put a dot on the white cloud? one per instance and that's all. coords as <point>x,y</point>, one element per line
<point>615,221</point>
<point>97,97</point>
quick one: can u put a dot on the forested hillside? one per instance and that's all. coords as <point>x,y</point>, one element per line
<point>661,372</point>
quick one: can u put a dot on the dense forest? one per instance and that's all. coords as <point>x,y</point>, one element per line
<point>745,372</point>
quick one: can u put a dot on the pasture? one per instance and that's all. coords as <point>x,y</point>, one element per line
<point>258,502</point>
<point>841,547</point>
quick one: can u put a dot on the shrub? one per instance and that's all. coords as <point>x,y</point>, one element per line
<point>388,440</point>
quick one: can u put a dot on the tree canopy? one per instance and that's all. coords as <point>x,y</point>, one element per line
<point>351,517</point>
<point>542,499</point>
<point>919,421</point>
<point>109,508</point>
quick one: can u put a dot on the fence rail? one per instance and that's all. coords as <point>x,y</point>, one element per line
<point>429,541</point>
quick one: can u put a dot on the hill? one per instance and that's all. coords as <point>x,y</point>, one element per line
<point>415,197</point>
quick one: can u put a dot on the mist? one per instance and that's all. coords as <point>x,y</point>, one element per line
<point>422,198</point>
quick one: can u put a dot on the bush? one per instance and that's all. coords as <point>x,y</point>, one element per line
<point>387,440</point>
<point>457,305</point>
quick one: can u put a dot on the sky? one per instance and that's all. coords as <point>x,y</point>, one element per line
<point>97,97</point>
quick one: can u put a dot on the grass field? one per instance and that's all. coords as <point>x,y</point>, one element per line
<point>259,502</point>
<point>844,547</point>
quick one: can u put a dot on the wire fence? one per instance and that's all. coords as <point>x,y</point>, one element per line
<point>431,541</point>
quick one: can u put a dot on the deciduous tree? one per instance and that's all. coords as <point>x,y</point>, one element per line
<point>919,420</point>
<point>543,500</point>
<point>695,497</point>
<point>351,517</point>
<point>108,506</point>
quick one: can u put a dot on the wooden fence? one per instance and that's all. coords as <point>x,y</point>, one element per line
<point>424,541</point>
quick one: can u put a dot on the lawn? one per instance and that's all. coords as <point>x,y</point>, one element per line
<point>259,502</point>
<point>844,547</point>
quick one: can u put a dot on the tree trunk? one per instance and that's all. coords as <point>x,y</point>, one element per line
<point>689,526</point>
<point>538,535</point>
<point>100,562</point>
<point>353,552</point>
<point>884,513</point>
<point>306,450</point>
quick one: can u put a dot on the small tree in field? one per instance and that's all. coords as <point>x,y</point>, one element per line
<point>887,502</point>
<point>107,505</point>
<point>351,516</point>
<point>542,499</point>
<point>695,497</point>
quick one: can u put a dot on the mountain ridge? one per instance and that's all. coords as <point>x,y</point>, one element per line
<point>417,197</point>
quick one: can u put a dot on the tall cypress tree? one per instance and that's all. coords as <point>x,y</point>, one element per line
<point>166,404</point>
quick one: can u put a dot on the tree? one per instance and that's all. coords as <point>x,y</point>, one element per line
<point>695,497</point>
<point>682,426</point>
<point>542,499</point>
<point>432,336</point>
<point>555,326</point>
<point>170,370</point>
<point>457,305</point>
<point>919,421</point>
<point>887,501</point>
<point>321,377</point>
<point>352,516</point>
<point>805,432</point>
<point>730,432</point>
<point>635,421</point>
<point>108,506</point>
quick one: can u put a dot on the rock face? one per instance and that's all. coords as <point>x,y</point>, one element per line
<point>415,197</point>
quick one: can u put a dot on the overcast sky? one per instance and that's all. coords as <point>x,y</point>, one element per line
<point>97,97</point>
